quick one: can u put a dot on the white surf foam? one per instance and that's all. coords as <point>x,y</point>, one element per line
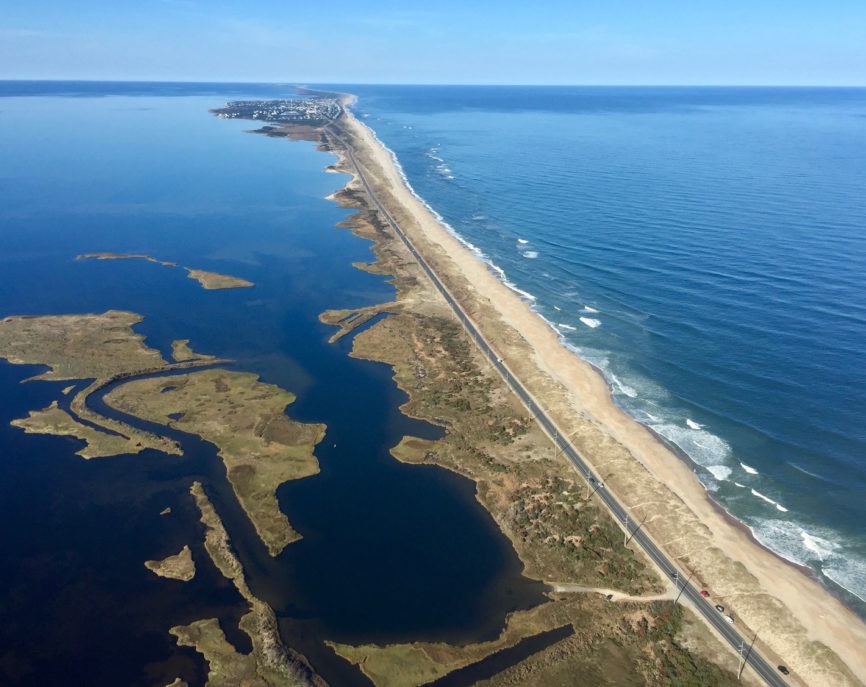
<point>590,322</point>
<point>741,486</point>
<point>720,472</point>
<point>566,327</point>
<point>693,425</point>
<point>589,308</point>
<point>749,469</point>
<point>623,388</point>
<point>557,308</point>
<point>766,498</point>
<point>472,248</point>
<point>820,548</point>
<point>522,242</point>
<point>531,254</point>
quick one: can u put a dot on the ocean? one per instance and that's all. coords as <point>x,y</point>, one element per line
<point>705,249</point>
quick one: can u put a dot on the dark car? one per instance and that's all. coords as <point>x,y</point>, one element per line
<point>704,593</point>
<point>784,670</point>
<point>720,608</point>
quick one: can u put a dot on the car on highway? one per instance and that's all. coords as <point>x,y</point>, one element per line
<point>704,593</point>
<point>729,619</point>
<point>720,608</point>
<point>784,670</point>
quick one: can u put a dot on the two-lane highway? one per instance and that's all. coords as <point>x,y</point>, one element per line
<point>754,659</point>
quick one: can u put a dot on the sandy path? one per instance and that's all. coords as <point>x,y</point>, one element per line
<point>569,588</point>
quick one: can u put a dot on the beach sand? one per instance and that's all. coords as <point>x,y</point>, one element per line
<point>798,621</point>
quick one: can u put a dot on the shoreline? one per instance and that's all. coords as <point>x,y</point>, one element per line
<point>810,603</point>
<point>828,584</point>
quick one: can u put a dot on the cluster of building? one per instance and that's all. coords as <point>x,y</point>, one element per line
<point>300,110</point>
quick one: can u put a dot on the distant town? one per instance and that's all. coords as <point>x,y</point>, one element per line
<point>314,111</point>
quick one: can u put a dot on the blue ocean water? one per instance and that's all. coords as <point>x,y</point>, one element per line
<point>705,248</point>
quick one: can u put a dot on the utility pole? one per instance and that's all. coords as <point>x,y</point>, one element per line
<point>683,588</point>
<point>746,657</point>
<point>635,530</point>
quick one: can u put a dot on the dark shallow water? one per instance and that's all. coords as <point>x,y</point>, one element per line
<point>390,551</point>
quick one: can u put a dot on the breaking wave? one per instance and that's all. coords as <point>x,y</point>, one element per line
<point>590,322</point>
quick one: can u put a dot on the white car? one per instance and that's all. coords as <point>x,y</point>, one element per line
<point>729,619</point>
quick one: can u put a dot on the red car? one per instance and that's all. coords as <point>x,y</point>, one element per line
<point>704,593</point>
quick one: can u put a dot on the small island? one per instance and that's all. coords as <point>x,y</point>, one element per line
<point>211,281</point>
<point>124,256</point>
<point>214,281</point>
<point>180,566</point>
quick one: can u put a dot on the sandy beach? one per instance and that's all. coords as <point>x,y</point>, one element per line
<point>798,621</point>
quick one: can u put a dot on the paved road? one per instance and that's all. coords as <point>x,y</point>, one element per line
<point>740,643</point>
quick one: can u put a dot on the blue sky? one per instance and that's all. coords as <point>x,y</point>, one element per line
<point>382,41</point>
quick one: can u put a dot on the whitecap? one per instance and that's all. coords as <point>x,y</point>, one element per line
<point>557,308</point>
<point>741,486</point>
<point>530,254</point>
<point>567,327</point>
<point>768,500</point>
<point>589,308</point>
<point>749,469</point>
<point>720,472</point>
<point>478,218</point>
<point>522,241</point>
<point>693,425</point>
<point>591,323</point>
<point>806,472</point>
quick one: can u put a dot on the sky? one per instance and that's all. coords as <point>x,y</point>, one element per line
<point>693,42</point>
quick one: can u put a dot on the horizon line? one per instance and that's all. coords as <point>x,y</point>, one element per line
<point>444,84</point>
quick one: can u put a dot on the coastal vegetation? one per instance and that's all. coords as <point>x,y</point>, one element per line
<point>207,280</point>
<point>180,566</point>
<point>558,530</point>
<point>97,444</point>
<point>609,644</point>
<point>215,281</point>
<point>102,347</point>
<point>245,418</point>
<point>260,446</point>
<point>270,664</point>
